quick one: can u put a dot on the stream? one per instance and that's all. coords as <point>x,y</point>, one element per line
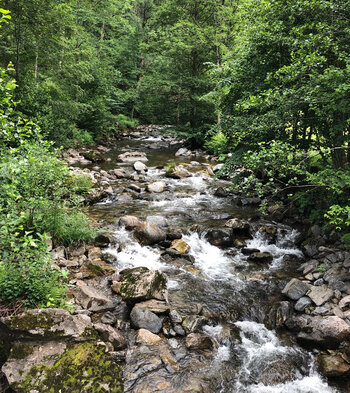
<point>237,295</point>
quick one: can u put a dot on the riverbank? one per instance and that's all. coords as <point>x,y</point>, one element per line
<point>175,293</point>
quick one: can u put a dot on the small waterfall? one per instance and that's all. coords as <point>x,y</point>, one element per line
<point>261,350</point>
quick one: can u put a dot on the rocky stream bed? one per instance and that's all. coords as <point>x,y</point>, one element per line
<point>188,289</point>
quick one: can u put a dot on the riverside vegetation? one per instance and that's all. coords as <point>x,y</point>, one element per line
<point>261,86</point>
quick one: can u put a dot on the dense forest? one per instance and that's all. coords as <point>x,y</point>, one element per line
<point>261,84</point>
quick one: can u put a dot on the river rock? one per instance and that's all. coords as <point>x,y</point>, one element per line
<point>82,367</point>
<point>344,303</point>
<point>140,284</point>
<point>193,323</point>
<point>178,172</point>
<point>175,317</point>
<point>140,166</point>
<point>146,337</point>
<point>302,303</point>
<point>276,373</point>
<point>320,294</point>
<point>133,156</point>
<point>221,192</point>
<point>295,289</point>
<point>156,187</point>
<point>111,335</point>
<point>199,341</point>
<point>160,221</point>
<point>260,257</point>
<point>239,227</point>
<point>148,234</point>
<point>218,167</point>
<point>145,319</point>
<point>219,237</point>
<point>333,366</point>
<point>182,152</point>
<point>173,234</point>
<point>47,323</point>
<point>129,222</point>
<point>180,246</point>
<point>156,306</point>
<point>93,300</point>
<point>326,332</point>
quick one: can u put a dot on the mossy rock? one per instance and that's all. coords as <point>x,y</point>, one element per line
<point>82,368</point>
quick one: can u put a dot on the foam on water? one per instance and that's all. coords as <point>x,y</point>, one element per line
<point>261,346</point>
<point>223,353</point>
<point>210,259</point>
<point>284,246</point>
<point>133,254</point>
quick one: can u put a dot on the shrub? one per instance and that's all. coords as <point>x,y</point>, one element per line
<point>125,122</point>
<point>27,273</point>
<point>218,144</point>
<point>67,226</point>
<point>81,184</point>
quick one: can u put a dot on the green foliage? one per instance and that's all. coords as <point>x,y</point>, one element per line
<point>35,198</point>
<point>67,226</point>
<point>218,144</point>
<point>80,184</point>
<point>125,122</point>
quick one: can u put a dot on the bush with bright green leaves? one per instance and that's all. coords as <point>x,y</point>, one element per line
<point>306,178</point>
<point>218,144</point>
<point>125,122</point>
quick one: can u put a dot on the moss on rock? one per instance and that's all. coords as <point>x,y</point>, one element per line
<point>82,368</point>
<point>21,351</point>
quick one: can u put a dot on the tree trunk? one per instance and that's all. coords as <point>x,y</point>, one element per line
<point>102,36</point>
<point>36,62</point>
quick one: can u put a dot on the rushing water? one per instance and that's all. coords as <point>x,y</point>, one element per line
<point>238,294</point>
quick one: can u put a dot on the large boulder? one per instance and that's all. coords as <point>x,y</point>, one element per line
<point>140,284</point>
<point>93,300</point>
<point>148,234</point>
<point>144,319</point>
<point>111,335</point>
<point>62,367</point>
<point>148,338</point>
<point>325,332</point>
<point>156,306</point>
<point>47,323</point>
<point>334,365</point>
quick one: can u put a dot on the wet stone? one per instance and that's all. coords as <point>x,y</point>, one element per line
<point>199,341</point>
<point>260,257</point>
<point>175,317</point>
<point>320,295</point>
<point>193,323</point>
<point>295,289</point>
<point>145,319</point>
<point>302,303</point>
